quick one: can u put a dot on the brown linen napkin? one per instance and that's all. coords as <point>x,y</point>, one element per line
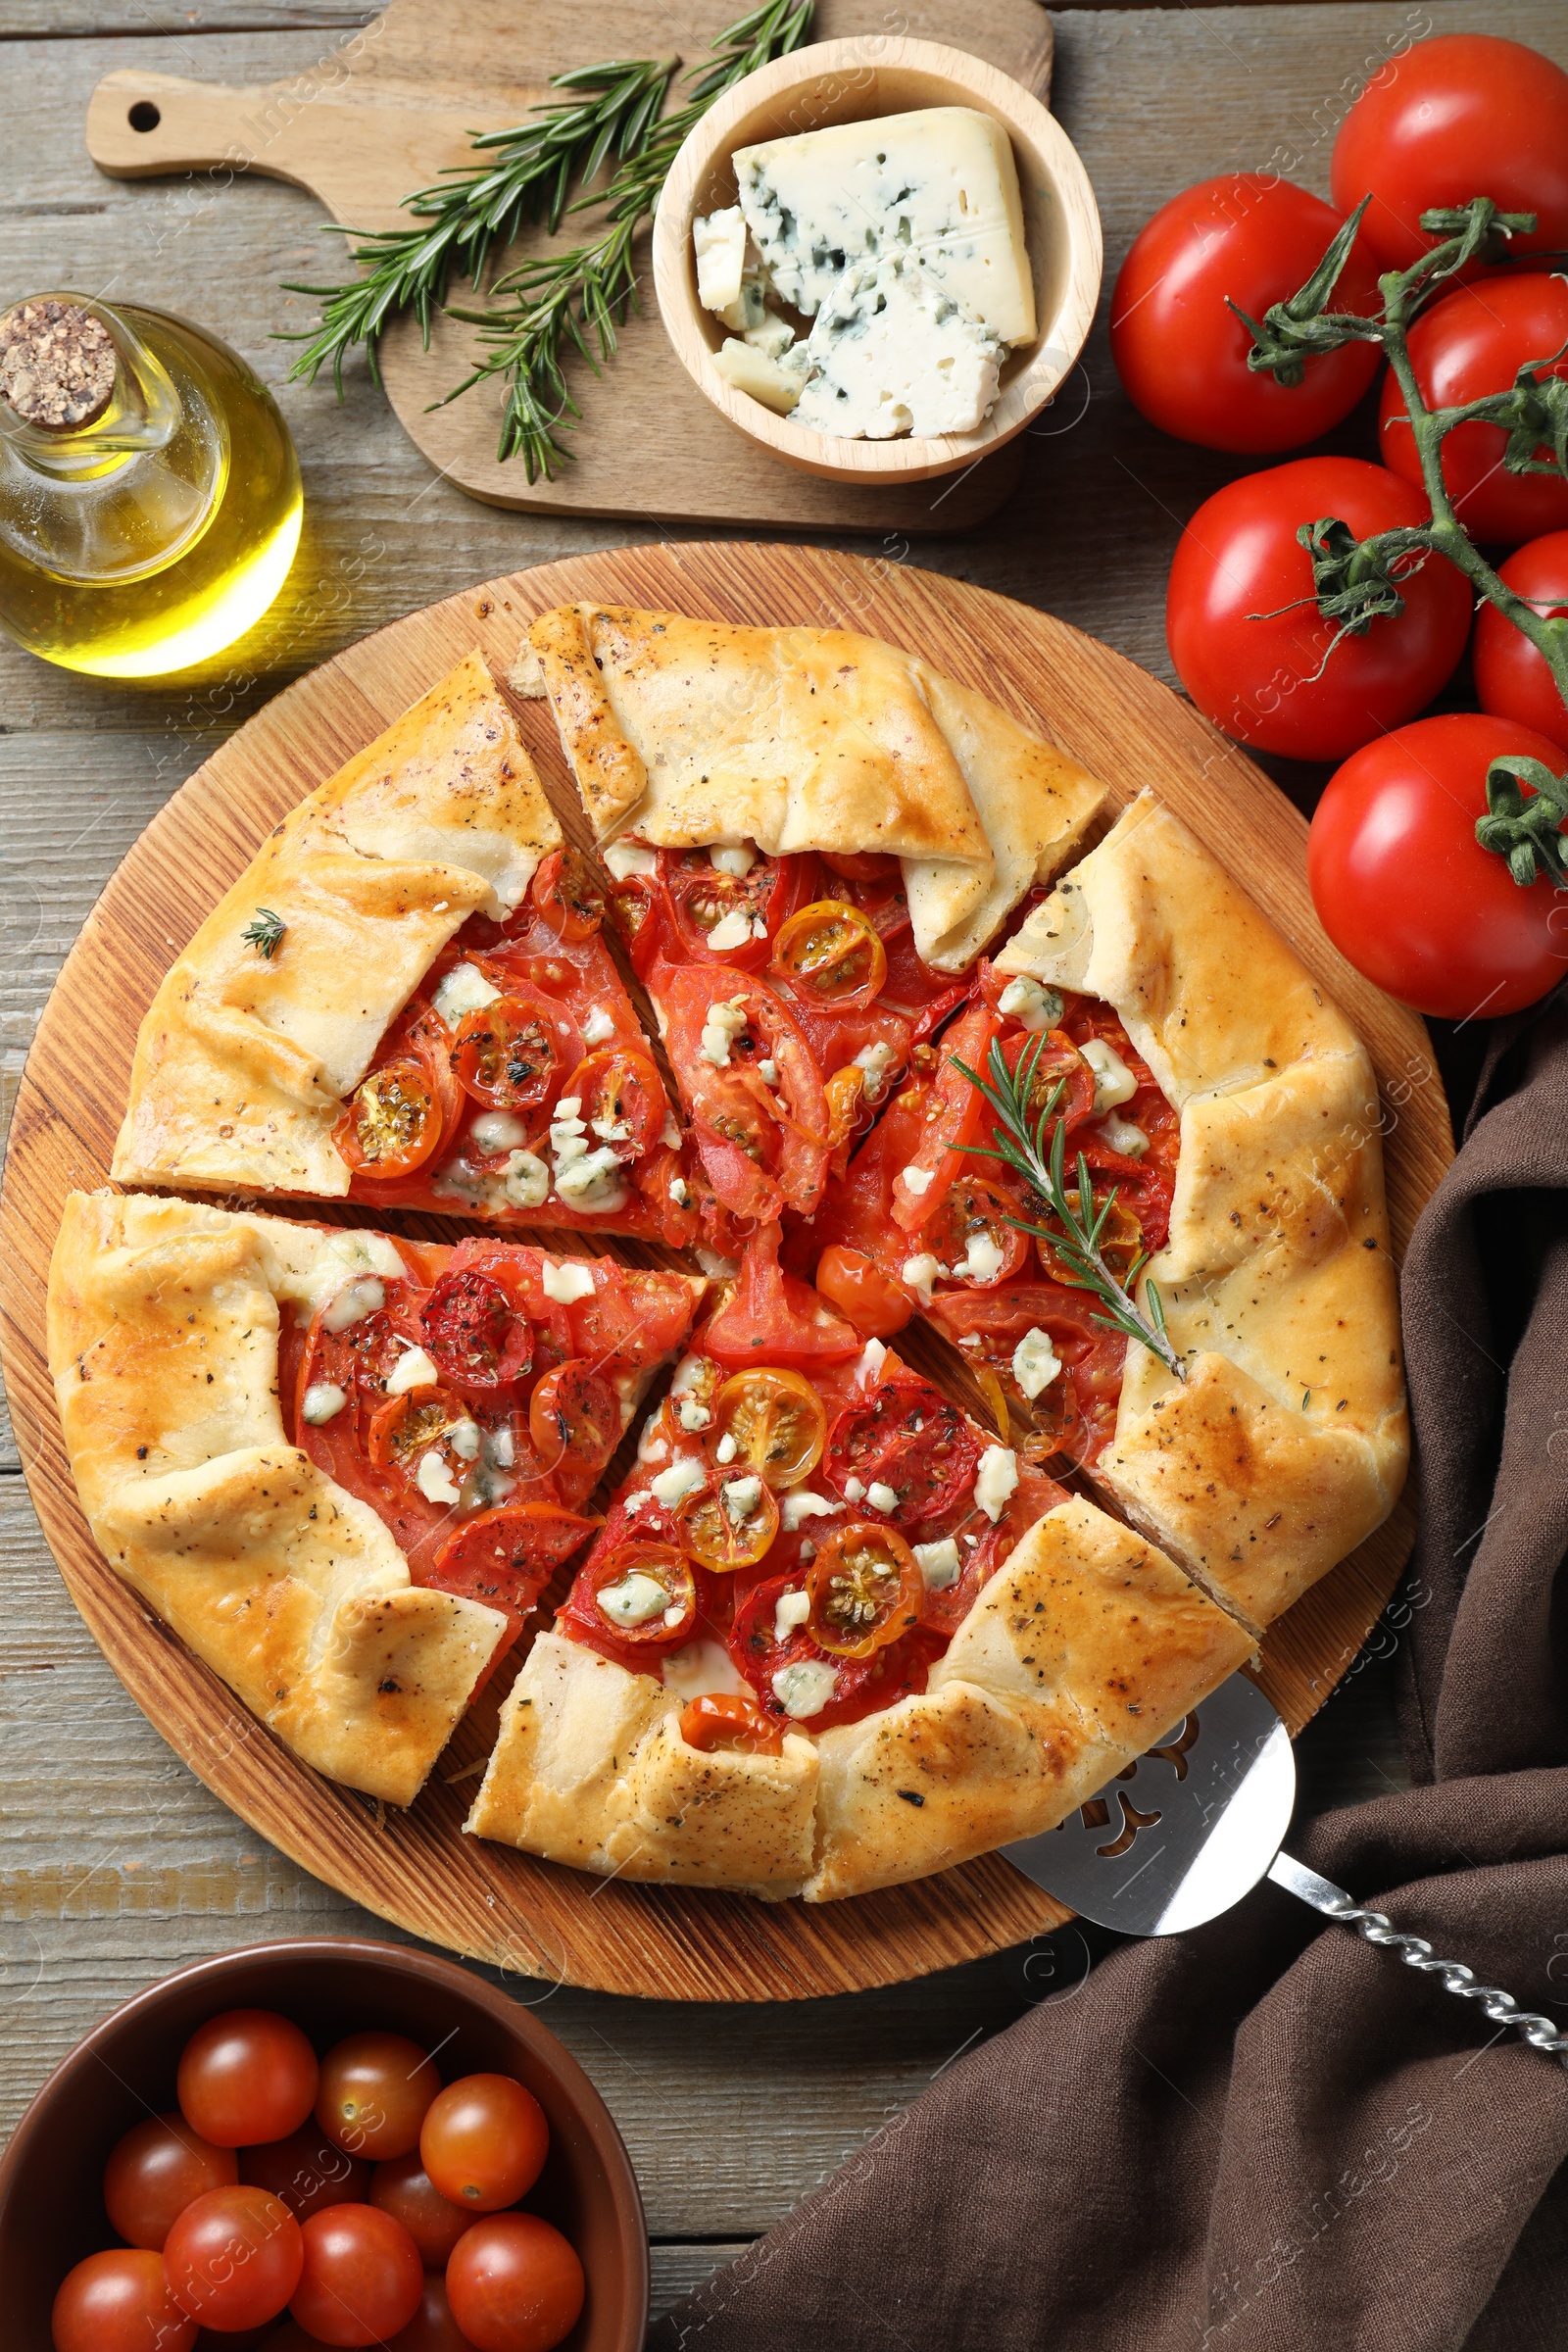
<point>1266,2136</point>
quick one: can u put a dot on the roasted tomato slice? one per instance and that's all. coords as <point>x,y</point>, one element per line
<point>716,914</point>
<point>975,1235</point>
<point>757,1098</point>
<point>620,1100</point>
<point>512,1054</point>
<point>392,1122</point>
<point>775,1315</point>
<point>865,1590</point>
<point>566,895</point>
<point>832,955</point>
<point>906,1438</point>
<point>863,866</point>
<point>772,1422</point>
<point>575,1422</point>
<point>730,1718</point>
<point>506,1558</point>
<point>730,1523</point>
<point>876,1306</point>
<point>641,1593</point>
<point>956,1112</point>
<point>475,1332</point>
<point>1054,1062</point>
<point>424,1421</point>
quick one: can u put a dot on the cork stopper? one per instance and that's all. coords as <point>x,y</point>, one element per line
<point>57,364</point>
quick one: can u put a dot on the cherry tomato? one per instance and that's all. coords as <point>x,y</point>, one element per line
<point>568,895</point>
<point>233,2258</point>
<point>1052,1061</point>
<point>975,1236</point>
<point>831,955</point>
<point>245,2076</point>
<point>404,2189</point>
<point>119,2302</point>
<point>862,866</point>
<point>617,1588</point>
<point>155,2172</point>
<point>433,2327</point>
<point>704,900</point>
<point>775,1424</point>
<point>876,1306</point>
<point>730,1718</point>
<point>484,2141</point>
<point>1406,892</point>
<point>1512,680</point>
<point>511,1054</point>
<point>506,1558</point>
<point>515,2285</point>
<point>574,1421</point>
<point>621,1092</point>
<point>1465,115</point>
<point>1474,342</point>
<point>1181,352</point>
<point>306,2171</point>
<point>475,1331</point>
<point>905,1436</point>
<point>392,1122</point>
<point>362,2278</point>
<point>421,1421</point>
<point>725,1525</point>
<point>1249,642</point>
<point>865,1590</point>
<point>955,1110</point>
<point>375,2088</point>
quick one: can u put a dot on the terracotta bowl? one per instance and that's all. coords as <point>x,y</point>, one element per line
<point>50,2211</point>
<point>854,81</point>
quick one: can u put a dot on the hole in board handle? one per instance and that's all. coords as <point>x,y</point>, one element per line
<point>144,116</point>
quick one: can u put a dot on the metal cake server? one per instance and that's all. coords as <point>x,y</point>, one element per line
<point>1182,1835</point>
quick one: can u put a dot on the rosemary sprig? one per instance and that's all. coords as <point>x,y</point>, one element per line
<point>560,303</point>
<point>265,933</point>
<point>1037,1150</point>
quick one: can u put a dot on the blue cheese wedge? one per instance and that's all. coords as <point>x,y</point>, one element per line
<point>892,351</point>
<point>940,185</point>
<point>751,371</point>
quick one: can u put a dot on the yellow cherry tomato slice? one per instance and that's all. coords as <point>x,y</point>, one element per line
<point>865,1590</point>
<point>831,956</point>
<point>777,1424</point>
<point>730,1523</point>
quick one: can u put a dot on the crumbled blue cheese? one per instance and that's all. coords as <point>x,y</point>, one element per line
<point>527,1181</point>
<point>891,351</point>
<point>465,1438</point>
<point>498,1131</point>
<point>770,334</point>
<point>741,1498</point>
<point>464,990</point>
<point>566,1284</point>
<point>726,1449</point>
<point>876,1061</point>
<point>982,1261</point>
<point>636,1599</point>
<point>365,1296</point>
<point>1035,1364</point>
<point>719,244</point>
<point>414,1369</point>
<point>751,371</point>
<point>736,859</point>
<point>433,1479</point>
<point>679,1191</point>
<point>692,1416</point>
<point>1037,1008</point>
<point>996,1479</point>
<point>585,1179</point>
<point>868,1364</point>
<point>938,1563</point>
<point>598,1027</point>
<point>790,1610</point>
<point>732,930</point>
<point>723,1025</point>
<point>803,1505</point>
<point>1124,1136</point>
<point>323,1401</point>
<point>1114,1082</point>
<point>881,1496</point>
<point>855,1489</point>
<point>920,1273</point>
<point>672,1486</point>
<point>916,1180</point>
<point>806,1687</point>
<point>625,858</point>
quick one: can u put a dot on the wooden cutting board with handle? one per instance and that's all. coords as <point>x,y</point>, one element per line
<point>391,110</point>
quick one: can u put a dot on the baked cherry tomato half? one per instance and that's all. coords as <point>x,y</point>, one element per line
<point>404,2188</point>
<point>643,1593</point>
<point>1465,115</point>
<point>862,866</point>
<point>1403,888</point>
<point>730,1523</point>
<point>620,1100</point>
<point>233,2258</point>
<point>392,1122</point>
<point>158,2169</point>
<point>506,1556</point>
<point>511,1055</point>
<point>483,2141</point>
<point>875,1305</point>
<point>568,895</point>
<point>1248,641</point>
<point>119,2301</point>
<point>865,1590</point>
<point>307,2172</point>
<point>770,1421</point>
<point>575,1422</point>
<point>374,2091</point>
<point>475,1331</point>
<point>405,1429</point>
<point>1512,680</point>
<point>831,955</point>
<point>730,1720</point>
<point>974,1234</point>
<point>1062,1084</point>
<point>903,1438</point>
<point>716,913</point>
<point>1181,351</point>
<point>515,2285</point>
<point>245,2076</point>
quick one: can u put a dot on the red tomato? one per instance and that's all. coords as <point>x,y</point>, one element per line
<point>764,1145</point>
<point>433,2327</point>
<point>568,895</point>
<point>233,2258</point>
<point>119,2302</point>
<point>484,2141</point>
<point>699,898</point>
<point>404,2189</point>
<point>474,1330</point>
<point>506,1558</point>
<point>668,1624</point>
<point>864,1588</point>
<point>1182,355</point>
<point>375,2088</point>
<point>774,1318</point>
<point>575,1422</point>
<point>1466,114</point>
<point>953,1111</point>
<point>515,2285</point>
<point>876,1306</point>
<point>392,1122</point>
<point>362,2279</point>
<point>907,1436</point>
<point>1406,892</point>
<point>1249,643</point>
<point>513,1054</point>
<point>306,2171</point>
<point>246,2077</point>
<point>155,2172</point>
<point>1512,680</point>
<point>1474,342</point>
<point>729,1720</point>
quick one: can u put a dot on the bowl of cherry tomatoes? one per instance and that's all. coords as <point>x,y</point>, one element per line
<point>320,2142</point>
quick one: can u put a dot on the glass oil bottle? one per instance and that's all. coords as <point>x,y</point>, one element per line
<point>150,496</point>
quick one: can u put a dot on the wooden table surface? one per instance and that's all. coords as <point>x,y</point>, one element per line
<point>116,1866</point>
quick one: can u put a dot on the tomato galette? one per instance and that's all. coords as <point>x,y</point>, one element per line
<point>342,1467</point>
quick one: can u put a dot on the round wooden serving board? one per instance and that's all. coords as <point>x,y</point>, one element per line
<point>417,1868</point>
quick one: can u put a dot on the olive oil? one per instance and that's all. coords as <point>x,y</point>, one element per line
<point>149,512</point>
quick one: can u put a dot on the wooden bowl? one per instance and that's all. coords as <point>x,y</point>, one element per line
<point>854,81</point>
<point>51,2211</point>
